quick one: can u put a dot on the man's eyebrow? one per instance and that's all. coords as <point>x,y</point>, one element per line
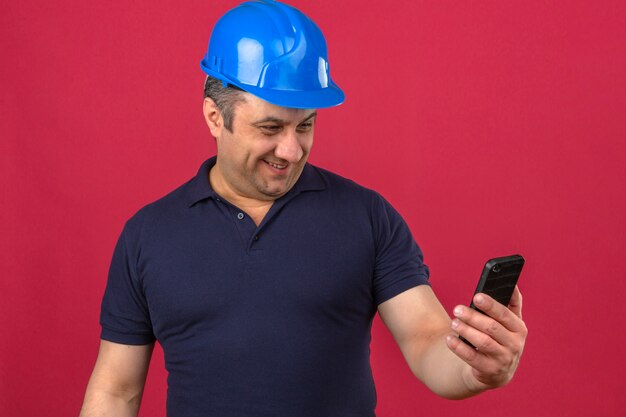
<point>309,117</point>
<point>276,120</point>
<point>268,119</point>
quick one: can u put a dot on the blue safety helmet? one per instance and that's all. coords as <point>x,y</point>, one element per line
<point>274,52</point>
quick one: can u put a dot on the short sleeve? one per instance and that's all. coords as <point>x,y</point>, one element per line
<point>399,263</point>
<point>124,315</point>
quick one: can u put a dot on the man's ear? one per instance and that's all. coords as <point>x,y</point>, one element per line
<point>213,117</point>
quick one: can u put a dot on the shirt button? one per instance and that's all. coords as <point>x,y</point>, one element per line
<point>256,237</point>
<point>240,216</point>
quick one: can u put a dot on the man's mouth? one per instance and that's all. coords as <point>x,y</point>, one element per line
<point>275,165</point>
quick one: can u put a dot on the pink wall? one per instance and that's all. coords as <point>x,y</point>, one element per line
<point>494,127</point>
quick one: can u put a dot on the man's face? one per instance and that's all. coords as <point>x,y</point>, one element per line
<point>264,155</point>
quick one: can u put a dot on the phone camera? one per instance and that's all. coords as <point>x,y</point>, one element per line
<point>496,268</point>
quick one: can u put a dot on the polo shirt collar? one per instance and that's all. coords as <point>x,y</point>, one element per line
<point>200,188</point>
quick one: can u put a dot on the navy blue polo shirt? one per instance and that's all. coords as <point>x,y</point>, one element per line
<point>261,321</point>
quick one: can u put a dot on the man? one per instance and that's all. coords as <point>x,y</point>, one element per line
<point>260,277</point>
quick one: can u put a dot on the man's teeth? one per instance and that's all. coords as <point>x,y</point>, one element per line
<point>276,165</point>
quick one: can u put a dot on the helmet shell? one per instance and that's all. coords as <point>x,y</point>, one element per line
<point>274,52</point>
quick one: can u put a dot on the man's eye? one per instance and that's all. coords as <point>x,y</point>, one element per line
<point>305,126</point>
<point>271,129</point>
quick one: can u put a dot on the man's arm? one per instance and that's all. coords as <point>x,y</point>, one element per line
<point>449,367</point>
<point>116,384</point>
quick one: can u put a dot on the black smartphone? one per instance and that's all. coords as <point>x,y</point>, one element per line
<point>498,280</point>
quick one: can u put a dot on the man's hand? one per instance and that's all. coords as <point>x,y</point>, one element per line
<point>499,339</point>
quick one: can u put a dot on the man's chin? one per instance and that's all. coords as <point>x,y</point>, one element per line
<point>275,191</point>
<point>273,194</point>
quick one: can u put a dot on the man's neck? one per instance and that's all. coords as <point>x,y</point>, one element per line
<point>256,209</point>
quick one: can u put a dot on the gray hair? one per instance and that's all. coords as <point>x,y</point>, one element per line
<point>225,98</point>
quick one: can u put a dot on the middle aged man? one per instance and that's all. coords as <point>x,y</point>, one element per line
<point>260,277</point>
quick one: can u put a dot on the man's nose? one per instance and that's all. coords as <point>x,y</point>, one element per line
<point>288,147</point>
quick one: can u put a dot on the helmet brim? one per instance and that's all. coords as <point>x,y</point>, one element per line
<point>329,96</point>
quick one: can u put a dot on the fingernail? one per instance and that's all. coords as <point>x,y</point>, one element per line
<point>479,299</point>
<point>458,311</point>
<point>455,324</point>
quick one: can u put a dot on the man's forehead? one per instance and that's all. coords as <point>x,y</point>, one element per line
<point>260,110</point>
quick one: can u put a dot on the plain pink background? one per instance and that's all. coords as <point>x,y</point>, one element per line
<point>494,127</point>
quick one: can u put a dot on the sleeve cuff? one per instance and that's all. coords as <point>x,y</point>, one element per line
<point>400,287</point>
<point>126,339</point>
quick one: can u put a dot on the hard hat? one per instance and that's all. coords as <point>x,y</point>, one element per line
<point>274,52</point>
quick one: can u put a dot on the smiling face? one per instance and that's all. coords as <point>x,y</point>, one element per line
<point>264,154</point>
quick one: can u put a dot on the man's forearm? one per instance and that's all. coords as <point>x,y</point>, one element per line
<point>105,404</point>
<point>116,384</point>
<point>445,373</point>
<point>449,367</point>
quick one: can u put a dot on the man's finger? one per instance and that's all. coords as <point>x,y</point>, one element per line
<point>498,312</point>
<point>474,358</point>
<point>487,334</point>
<point>489,342</point>
<point>515,305</point>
